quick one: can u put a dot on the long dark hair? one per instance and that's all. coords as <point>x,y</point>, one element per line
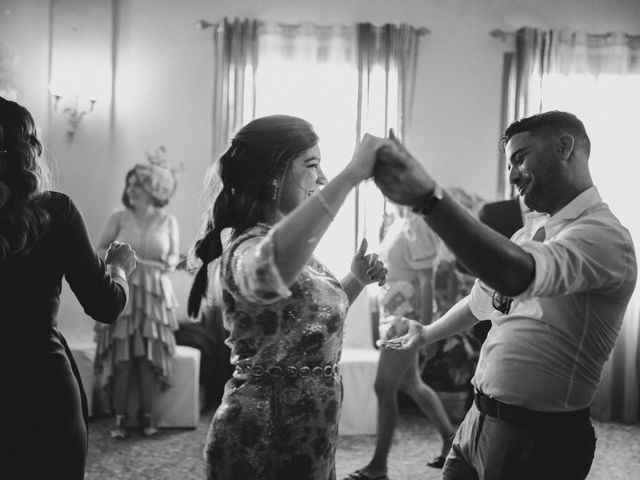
<point>246,187</point>
<point>24,179</point>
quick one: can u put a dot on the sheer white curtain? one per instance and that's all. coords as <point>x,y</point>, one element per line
<point>235,49</point>
<point>597,77</point>
<point>307,70</point>
<point>387,62</point>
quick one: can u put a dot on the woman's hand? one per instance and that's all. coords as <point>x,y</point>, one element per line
<point>171,262</point>
<point>367,268</point>
<point>364,157</point>
<point>404,334</point>
<point>399,176</point>
<point>121,255</point>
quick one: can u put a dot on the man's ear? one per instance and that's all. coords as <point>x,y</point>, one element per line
<point>565,145</point>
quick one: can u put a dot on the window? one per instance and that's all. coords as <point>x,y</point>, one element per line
<point>609,106</point>
<point>311,73</point>
<point>325,94</point>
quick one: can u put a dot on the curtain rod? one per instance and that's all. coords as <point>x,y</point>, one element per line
<point>504,35</point>
<point>204,24</point>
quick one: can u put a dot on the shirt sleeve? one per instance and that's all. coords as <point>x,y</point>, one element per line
<point>102,296</point>
<point>586,256</point>
<point>249,270</point>
<point>480,301</point>
<point>422,245</point>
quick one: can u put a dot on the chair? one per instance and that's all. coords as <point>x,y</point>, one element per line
<point>358,365</point>
<point>360,405</point>
<point>179,405</point>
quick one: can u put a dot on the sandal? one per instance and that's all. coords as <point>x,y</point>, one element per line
<point>359,475</point>
<point>148,427</point>
<point>438,462</point>
<point>119,431</point>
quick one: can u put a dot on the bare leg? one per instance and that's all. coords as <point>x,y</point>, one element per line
<point>121,378</point>
<point>392,367</point>
<point>147,384</point>
<point>120,387</point>
<point>429,402</point>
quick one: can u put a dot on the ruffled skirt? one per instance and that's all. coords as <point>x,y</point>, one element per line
<point>144,328</point>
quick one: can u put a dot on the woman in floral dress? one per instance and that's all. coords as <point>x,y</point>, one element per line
<point>284,310</point>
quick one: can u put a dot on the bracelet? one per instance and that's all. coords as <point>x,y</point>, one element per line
<point>325,205</point>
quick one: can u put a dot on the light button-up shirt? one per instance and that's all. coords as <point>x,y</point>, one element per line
<point>548,352</point>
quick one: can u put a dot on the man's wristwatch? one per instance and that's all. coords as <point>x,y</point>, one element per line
<point>429,201</point>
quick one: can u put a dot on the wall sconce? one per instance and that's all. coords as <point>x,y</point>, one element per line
<point>75,108</point>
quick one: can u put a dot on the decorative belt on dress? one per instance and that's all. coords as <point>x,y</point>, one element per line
<point>277,371</point>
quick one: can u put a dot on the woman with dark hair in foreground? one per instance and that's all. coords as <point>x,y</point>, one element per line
<point>43,409</point>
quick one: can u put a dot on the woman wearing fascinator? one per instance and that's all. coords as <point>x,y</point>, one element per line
<point>135,351</point>
<point>284,309</point>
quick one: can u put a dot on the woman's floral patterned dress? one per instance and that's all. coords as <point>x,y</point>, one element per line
<point>279,415</point>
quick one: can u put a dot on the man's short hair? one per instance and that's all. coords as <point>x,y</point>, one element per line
<point>552,121</point>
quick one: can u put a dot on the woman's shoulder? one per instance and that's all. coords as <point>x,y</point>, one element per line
<point>165,217</point>
<point>54,198</point>
<point>231,243</point>
<point>119,216</point>
<point>258,230</point>
<point>57,203</point>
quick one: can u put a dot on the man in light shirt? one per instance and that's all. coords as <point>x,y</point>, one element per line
<point>556,293</point>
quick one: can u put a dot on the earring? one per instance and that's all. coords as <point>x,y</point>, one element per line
<point>275,189</point>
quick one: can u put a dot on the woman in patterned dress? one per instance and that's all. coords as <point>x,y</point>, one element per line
<point>285,311</point>
<point>136,350</point>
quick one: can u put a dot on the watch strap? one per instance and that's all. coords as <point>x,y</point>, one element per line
<point>429,201</point>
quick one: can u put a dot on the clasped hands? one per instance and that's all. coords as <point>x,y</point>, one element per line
<point>397,174</point>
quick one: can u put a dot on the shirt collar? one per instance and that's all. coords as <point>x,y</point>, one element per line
<point>534,220</point>
<point>577,206</point>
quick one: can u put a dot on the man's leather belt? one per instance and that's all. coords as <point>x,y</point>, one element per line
<point>523,416</point>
